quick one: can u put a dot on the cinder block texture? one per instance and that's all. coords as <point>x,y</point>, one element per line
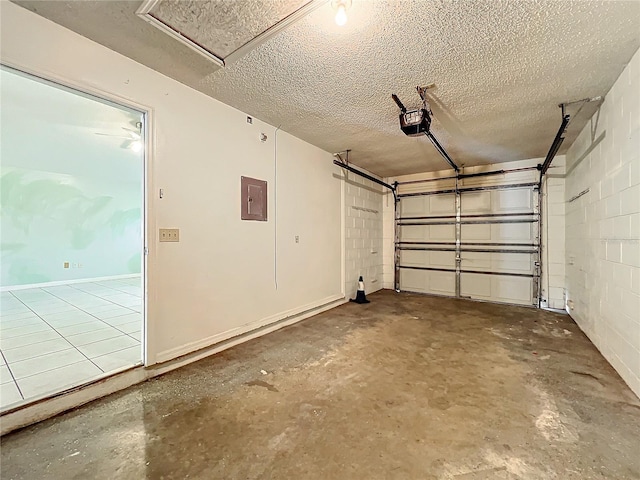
<point>363,234</point>
<point>603,227</point>
<point>553,239</point>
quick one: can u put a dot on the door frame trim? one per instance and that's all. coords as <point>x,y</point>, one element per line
<point>149,141</point>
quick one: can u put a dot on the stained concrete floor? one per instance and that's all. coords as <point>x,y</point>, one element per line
<point>406,387</point>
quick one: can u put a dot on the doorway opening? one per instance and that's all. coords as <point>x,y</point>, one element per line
<point>72,177</point>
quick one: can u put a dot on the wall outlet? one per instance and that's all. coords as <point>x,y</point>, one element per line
<point>297,238</point>
<point>169,234</point>
<point>65,265</point>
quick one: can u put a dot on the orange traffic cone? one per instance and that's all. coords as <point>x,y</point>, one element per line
<point>360,296</point>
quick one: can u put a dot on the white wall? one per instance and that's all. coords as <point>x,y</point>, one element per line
<point>363,233</point>
<point>603,227</point>
<point>226,276</point>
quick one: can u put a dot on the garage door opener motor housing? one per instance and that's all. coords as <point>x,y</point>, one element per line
<point>414,122</point>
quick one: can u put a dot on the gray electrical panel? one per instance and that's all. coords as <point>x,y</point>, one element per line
<point>253,198</point>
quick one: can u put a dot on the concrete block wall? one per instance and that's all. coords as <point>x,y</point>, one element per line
<point>603,227</point>
<point>363,234</point>
<point>388,241</point>
<point>553,236</point>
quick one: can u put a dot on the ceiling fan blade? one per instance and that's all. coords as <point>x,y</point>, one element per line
<point>111,135</point>
<point>132,133</point>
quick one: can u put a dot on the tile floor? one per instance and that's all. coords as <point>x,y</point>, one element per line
<point>54,338</point>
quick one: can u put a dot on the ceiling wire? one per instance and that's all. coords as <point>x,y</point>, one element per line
<point>275,206</point>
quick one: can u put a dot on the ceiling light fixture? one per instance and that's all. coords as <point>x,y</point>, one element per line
<point>341,6</point>
<point>136,146</point>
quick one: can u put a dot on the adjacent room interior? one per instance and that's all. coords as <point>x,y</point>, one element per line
<point>72,180</point>
<point>193,192</point>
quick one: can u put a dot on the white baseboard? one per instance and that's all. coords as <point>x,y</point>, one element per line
<point>67,282</point>
<point>295,315</point>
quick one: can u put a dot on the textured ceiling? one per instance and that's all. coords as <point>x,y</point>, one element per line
<point>114,24</point>
<point>500,70</point>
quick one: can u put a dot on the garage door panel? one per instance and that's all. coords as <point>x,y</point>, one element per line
<point>469,233</point>
<point>443,283</point>
<point>512,262</point>
<point>442,232</point>
<point>513,289</point>
<point>434,205</point>
<point>414,206</point>
<point>414,233</point>
<point>442,205</point>
<point>475,286</point>
<point>475,261</point>
<point>414,258</point>
<point>509,232</point>
<point>476,202</point>
<point>419,258</point>
<point>422,233</point>
<point>413,280</point>
<point>425,281</point>
<point>498,262</point>
<point>443,259</point>
<point>512,201</point>
<point>517,290</point>
<point>498,233</point>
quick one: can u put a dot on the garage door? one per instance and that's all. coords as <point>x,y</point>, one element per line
<point>479,242</point>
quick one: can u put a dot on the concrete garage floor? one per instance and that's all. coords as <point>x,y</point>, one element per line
<point>406,387</point>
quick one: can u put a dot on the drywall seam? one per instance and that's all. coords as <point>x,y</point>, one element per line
<point>275,207</point>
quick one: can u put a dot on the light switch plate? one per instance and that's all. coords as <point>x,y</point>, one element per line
<point>169,234</point>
